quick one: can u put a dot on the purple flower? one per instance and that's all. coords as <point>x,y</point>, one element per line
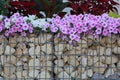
<point>105,32</point>
<point>98,31</point>
<point>25,27</point>
<point>19,29</point>
<point>1,28</point>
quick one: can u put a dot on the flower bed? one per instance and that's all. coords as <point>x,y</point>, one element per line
<point>73,47</point>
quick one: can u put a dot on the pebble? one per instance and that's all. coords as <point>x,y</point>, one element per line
<point>116,50</point>
<point>118,65</point>
<point>43,38</point>
<point>68,68</point>
<point>89,72</point>
<point>59,63</point>
<point>98,76</point>
<point>113,77</point>
<point>60,47</point>
<point>1,78</point>
<point>47,48</point>
<point>82,44</point>
<point>34,63</point>
<point>83,61</point>
<point>9,69</point>
<point>64,76</point>
<point>1,49</point>
<point>57,69</point>
<point>33,51</point>
<point>9,50</point>
<point>33,73</point>
<point>19,74</point>
<point>92,60</point>
<point>99,67</point>
<point>92,52</point>
<point>18,52</point>
<point>11,59</point>
<point>73,61</point>
<point>109,72</point>
<point>25,73</point>
<point>74,74</point>
<point>109,59</point>
<point>44,75</point>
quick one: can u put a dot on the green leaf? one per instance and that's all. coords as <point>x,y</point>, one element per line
<point>112,14</point>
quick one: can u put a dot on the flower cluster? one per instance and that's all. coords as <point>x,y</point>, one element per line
<point>75,26</point>
<point>37,22</point>
<point>15,24</point>
<point>70,26</point>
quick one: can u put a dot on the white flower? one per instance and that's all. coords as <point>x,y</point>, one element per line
<point>25,18</point>
<point>32,17</point>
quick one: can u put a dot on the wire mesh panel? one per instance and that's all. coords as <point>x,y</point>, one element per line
<point>44,57</point>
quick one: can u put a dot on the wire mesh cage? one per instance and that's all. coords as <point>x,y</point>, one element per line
<point>44,57</point>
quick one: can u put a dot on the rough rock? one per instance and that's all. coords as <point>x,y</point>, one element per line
<point>44,75</point>
<point>74,74</point>
<point>19,74</point>
<point>25,74</point>
<point>9,69</point>
<point>59,63</point>
<point>109,59</point>
<point>104,51</point>
<point>89,72</point>
<point>34,51</point>
<point>18,52</point>
<point>11,59</point>
<point>60,47</point>
<point>9,50</point>
<point>118,65</point>
<point>116,50</point>
<point>47,48</point>
<point>98,76</point>
<point>1,49</point>
<point>43,38</point>
<point>34,63</point>
<point>69,69</point>
<point>64,76</point>
<point>73,61</point>
<point>109,72</point>
<point>82,44</point>
<point>92,52</point>
<point>83,61</point>
<point>92,60</point>
<point>99,67</point>
<point>57,69</point>
<point>33,73</point>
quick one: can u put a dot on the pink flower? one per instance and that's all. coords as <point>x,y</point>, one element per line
<point>19,29</point>
<point>25,27</point>
<point>98,31</point>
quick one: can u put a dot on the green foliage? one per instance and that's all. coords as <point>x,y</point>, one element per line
<point>113,14</point>
<point>50,7</point>
<point>4,5</point>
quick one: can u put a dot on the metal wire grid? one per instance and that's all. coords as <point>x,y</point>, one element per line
<point>54,56</point>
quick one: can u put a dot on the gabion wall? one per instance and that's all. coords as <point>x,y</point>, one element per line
<point>44,57</point>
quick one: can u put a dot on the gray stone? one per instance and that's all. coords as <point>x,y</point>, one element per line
<point>98,76</point>
<point>9,50</point>
<point>113,77</point>
<point>64,76</point>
